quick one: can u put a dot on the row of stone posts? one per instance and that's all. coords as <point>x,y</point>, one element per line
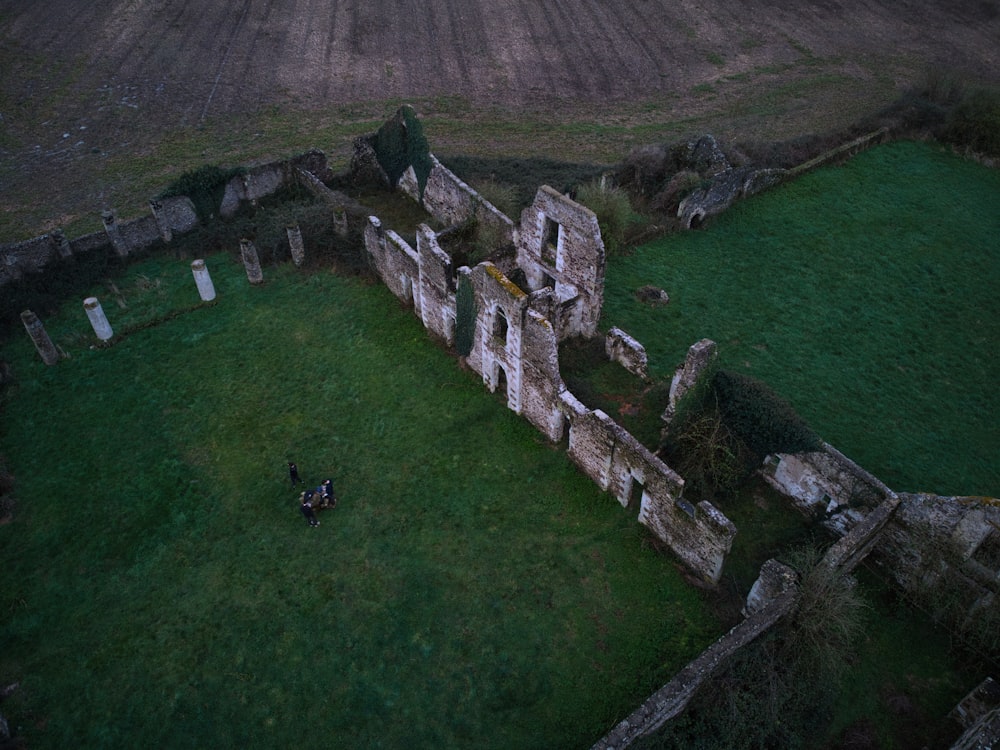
<point>206,289</point>
<point>99,321</point>
<point>251,260</point>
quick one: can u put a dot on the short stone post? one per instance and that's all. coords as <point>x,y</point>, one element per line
<point>340,225</point>
<point>295,244</point>
<point>61,244</point>
<point>43,344</point>
<point>162,223</point>
<point>114,233</point>
<point>251,261</point>
<point>206,289</point>
<point>98,319</point>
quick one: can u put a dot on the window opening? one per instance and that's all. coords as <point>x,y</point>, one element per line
<point>550,241</point>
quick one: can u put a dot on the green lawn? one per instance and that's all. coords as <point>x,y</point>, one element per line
<point>161,589</point>
<point>865,294</point>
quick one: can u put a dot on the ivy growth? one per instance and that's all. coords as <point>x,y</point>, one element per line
<point>205,187</point>
<point>465,316</point>
<point>399,144</point>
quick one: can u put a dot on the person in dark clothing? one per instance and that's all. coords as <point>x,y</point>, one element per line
<point>307,509</point>
<point>326,492</point>
<point>293,474</point>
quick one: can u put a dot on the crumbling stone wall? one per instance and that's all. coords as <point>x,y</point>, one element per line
<point>396,263</point>
<point>451,201</point>
<point>670,700</point>
<point>266,179</point>
<point>559,245</point>
<point>168,215</point>
<point>699,535</point>
<point>515,346</point>
<point>944,551</point>
<point>436,285</point>
<point>827,485</point>
<point>629,353</point>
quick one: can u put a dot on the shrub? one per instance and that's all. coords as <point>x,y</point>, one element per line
<point>613,209</point>
<point>759,417</point>
<point>205,187</point>
<point>501,195</point>
<point>724,427</point>
<point>974,123</point>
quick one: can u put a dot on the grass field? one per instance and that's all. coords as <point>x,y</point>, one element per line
<point>864,294</point>
<point>472,588</point>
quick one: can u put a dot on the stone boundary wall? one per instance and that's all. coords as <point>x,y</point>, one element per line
<point>930,546</point>
<point>38,254</point>
<point>670,700</point>
<point>168,215</point>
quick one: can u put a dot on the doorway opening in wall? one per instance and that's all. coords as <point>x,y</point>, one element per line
<point>502,382</point>
<point>635,493</point>
<point>500,326</point>
<point>550,241</point>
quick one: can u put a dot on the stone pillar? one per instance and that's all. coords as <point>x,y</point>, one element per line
<point>206,289</point>
<point>251,262</point>
<point>114,233</point>
<point>98,319</point>
<point>340,225</point>
<point>700,357</point>
<point>43,344</point>
<point>61,244</point>
<point>162,223</point>
<point>295,244</point>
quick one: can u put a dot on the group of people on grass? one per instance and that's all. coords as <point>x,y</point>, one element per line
<point>312,500</point>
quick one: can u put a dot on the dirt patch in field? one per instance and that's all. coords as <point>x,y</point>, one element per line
<point>100,99</point>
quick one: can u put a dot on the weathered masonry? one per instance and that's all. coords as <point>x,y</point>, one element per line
<point>516,331</point>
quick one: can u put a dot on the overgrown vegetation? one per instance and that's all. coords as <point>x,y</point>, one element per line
<point>465,316</point>
<point>974,123</point>
<point>400,144</point>
<point>848,669</point>
<point>725,426</point>
<point>205,187</point>
<point>614,212</point>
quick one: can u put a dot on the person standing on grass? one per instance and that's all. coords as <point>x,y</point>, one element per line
<point>293,474</point>
<point>307,509</point>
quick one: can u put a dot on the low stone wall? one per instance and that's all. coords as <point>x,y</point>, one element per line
<point>168,215</point>
<point>827,485</point>
<point>671,699</point>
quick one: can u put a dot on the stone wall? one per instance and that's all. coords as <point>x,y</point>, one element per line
<point>559,245</point>
<point>168,215</point>
<point>826,485</point>
<point>451,201</point>
<point>515,348</point>
<point>670,700</point>
<point>626,351</point>
<point>942,551</point>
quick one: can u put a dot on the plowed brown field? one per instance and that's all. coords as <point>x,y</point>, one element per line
<point>91,93</point>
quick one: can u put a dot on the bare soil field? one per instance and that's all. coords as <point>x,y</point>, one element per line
<point>102,103</point>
